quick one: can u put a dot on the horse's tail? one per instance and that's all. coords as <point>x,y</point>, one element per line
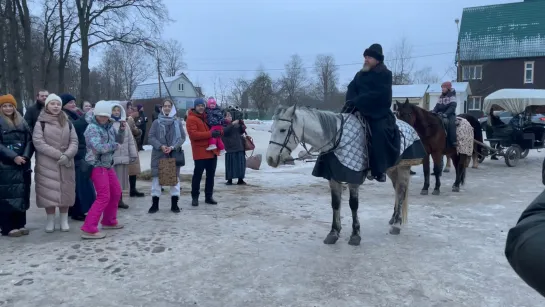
<point>405,206</point>
<point>464,160</point>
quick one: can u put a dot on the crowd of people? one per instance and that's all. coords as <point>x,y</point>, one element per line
<point>85,158</point>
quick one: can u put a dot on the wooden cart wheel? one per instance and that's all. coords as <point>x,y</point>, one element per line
<point>512,156</point>
<point>524,153</point>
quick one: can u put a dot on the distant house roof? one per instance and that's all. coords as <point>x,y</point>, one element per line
<point>409,91</point>
<point>149,89</point>
<point>458,86</point>
<point>503,31</point>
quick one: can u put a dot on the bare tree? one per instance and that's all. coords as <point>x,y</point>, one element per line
<point>108,21</point>
<point>12,52</point>
<point>425,76</point>
<point>293,80</point>
<point>261,93</point>
<point>68,25</point>
<point>3,39</point>
<point>239,95</point>
<point>220,91</point>
<point>327,77</point>
<point>171,55</point>
<point>24,18</point>
<point>400,63</point>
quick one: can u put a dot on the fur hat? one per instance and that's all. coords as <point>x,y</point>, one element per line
<point>8,99</point>
<point>103,108</point>
<point>374,51</point>
<point>52,97</point>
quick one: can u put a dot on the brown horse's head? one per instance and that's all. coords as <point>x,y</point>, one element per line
<point>406,111</point>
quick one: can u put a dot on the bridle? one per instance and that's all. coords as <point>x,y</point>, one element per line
<point>336,140</point>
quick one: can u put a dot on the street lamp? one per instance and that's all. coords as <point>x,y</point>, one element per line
<point>458,67</point>
<point>152,46</point>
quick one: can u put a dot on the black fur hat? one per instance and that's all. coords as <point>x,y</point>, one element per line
<point>375,51</point>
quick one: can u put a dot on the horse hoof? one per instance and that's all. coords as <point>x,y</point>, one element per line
<point>455,189</point>
<point>474,167</point>
<point>436,192</point>
<point>424,192</point>
<point>446,170</point>
<point>395,230</point>
<point>354,240</point>
<point>331,238</point>
<point>391,222</point>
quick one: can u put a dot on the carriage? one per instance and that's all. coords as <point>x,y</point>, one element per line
<point>513,140</point>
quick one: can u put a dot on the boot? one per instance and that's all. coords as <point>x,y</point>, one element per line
<point>195,201</point>
<point>121,204</point>
<point>229,182</point>
<point>154,205</point>
<point>64,222</point>
<point>174,204</point>
<point>241,182</point>
<point>210,200</point>
<point>133,191</point>
<point>50,226</point>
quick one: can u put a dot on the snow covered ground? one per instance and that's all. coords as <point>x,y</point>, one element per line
<point>262,246</point>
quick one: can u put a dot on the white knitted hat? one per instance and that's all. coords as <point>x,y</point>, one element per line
<point>52,97</point>
<point>103,108</point>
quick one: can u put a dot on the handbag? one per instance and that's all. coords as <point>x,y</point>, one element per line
<point>248,143</point>
<point>254,162</point>
<point>179,156</point>
<point>167,172</point>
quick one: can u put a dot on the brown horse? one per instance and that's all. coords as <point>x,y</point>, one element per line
<point>430,128</point>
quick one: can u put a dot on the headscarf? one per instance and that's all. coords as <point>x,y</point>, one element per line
<point>169,120</point>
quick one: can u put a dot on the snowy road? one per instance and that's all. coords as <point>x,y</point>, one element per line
<point>262,246</point>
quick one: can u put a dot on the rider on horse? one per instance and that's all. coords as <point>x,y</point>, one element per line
<point>370,93</point>
<point>446,108</point>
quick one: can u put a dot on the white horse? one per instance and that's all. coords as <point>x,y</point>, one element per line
<point>323,130</point>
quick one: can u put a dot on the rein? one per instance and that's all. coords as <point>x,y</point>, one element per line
<point>335,140</point>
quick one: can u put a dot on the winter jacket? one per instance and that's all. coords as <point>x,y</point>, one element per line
<point>232,137</point>
<point>126,152</point>
<point>101,142</point>
<point>199,133</point>
<point>446,104</point>
<point>214,117</point>
<point>55,184</point>
<point>156,142</point>
<point>134,168</point>
<point>525,246</point>
<point>32,113</point>
<point>80,124</point>
<point>370,92</point>
<point>16,179</point>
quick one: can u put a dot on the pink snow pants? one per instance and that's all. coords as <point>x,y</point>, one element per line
<point>108,194</point>
<point>216,141</point>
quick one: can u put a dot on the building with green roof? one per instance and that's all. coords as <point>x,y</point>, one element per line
<point>502,46</point>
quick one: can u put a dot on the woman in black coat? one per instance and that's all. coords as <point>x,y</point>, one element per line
<point>85,190</point>
<point>235,158</point>
<point>15,152</point>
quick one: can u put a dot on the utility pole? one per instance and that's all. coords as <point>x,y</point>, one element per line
<point>458,66</point>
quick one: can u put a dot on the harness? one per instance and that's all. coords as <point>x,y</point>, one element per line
<point>335,141</point>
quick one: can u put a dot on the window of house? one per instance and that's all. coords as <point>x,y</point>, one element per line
<point>474,103</point>
<point>180,87</point>
<point>528,72</point>
<point>472,72</point>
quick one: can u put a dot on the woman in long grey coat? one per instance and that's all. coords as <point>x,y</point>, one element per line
<point>165,136</point>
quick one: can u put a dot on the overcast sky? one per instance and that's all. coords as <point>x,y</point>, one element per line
<point>227,39</point>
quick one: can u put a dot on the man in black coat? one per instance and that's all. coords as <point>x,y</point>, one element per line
<point>32,112</point>
<point>370,93</point>
<point>525,246</point>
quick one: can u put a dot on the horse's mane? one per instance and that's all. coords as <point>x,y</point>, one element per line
<point>326,119</point>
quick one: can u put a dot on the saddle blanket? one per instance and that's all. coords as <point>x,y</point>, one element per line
<point>464,136</point>
<point>352,149</point>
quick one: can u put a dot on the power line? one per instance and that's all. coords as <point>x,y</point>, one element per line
<point>311,67</point>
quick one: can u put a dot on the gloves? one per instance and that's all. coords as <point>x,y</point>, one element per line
<point>64,161</point>
<point>216,133</point>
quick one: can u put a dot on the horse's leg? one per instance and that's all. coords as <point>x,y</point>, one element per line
<point>392,174</point>
<point>463,161</point>
<point>437,164</point>
<point>475,158</point>
<point>457,166</point>
<point>401,200</point>
<point>426,166</point>
<point>355,238</point>
<point>336,194</point>
<point>447,167</point>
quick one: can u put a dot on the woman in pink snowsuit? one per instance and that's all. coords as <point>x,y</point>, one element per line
<point>215,120</point>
